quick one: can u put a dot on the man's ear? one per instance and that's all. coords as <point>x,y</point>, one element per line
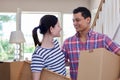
<point>88,19</point>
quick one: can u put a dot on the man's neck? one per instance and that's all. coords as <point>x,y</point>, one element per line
<point>84,32</point>
<point>83,35</point>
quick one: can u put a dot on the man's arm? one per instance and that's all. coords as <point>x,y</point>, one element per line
<point>118,53</point>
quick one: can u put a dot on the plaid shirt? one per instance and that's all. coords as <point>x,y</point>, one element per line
<point>72,47</point>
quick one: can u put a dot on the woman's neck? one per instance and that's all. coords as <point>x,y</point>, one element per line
<point>47,41</point>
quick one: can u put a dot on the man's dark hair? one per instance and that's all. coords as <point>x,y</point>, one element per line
<point>85,12</point>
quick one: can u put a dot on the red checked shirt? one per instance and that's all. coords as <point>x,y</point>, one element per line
<point>72,47</point>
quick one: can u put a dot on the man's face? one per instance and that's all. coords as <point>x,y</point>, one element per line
<point>80,23</point>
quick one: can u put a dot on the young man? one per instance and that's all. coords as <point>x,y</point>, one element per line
<point>84,39</point>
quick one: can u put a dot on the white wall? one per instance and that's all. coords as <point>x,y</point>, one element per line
<point>42,5</point>
<point>94,4</point>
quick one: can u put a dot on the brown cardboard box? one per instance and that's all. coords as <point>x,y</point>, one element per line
<point>98,64</point>
<point>4,71</point>
<point>10,70</point>
<point>21,71</point>
<point>45,74</point>
<point>49,75</point>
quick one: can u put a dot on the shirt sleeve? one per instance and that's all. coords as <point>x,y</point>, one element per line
<point>111,45</point>
<point>37,63</point>
<point>64,50</point>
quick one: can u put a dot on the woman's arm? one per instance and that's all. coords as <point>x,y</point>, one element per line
<point>36,75</point>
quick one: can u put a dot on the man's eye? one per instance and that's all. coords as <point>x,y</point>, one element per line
<point>77,20</point>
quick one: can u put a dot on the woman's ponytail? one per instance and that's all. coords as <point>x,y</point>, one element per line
<point>35,36</point>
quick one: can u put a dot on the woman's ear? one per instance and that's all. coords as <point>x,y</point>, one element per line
<point>51,29</point>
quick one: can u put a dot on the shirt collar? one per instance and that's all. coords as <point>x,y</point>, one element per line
<point>89,33</point>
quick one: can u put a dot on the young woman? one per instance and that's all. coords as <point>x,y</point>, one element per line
<point>47,53</point>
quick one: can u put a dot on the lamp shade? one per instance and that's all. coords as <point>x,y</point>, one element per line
<point>17,37</point>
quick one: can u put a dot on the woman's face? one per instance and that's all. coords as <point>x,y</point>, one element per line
<point>56,30</point>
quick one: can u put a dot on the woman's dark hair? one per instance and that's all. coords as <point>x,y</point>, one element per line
<point>85,12</point>
<point>45,23</point>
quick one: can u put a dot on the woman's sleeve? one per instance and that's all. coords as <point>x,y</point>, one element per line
<point>37,63</point>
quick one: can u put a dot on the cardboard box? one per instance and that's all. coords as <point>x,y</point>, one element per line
<point>49,75</point>
<point>10,70</point>
<point>4,71</point>
<point>98,64</point>
<point>45,74</point>
<point>20,70</point>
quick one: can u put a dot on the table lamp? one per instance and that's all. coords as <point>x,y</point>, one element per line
<point>17,37</point>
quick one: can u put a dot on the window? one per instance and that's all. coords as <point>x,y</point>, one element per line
<point>7,24</point>
<point>68,28</point>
